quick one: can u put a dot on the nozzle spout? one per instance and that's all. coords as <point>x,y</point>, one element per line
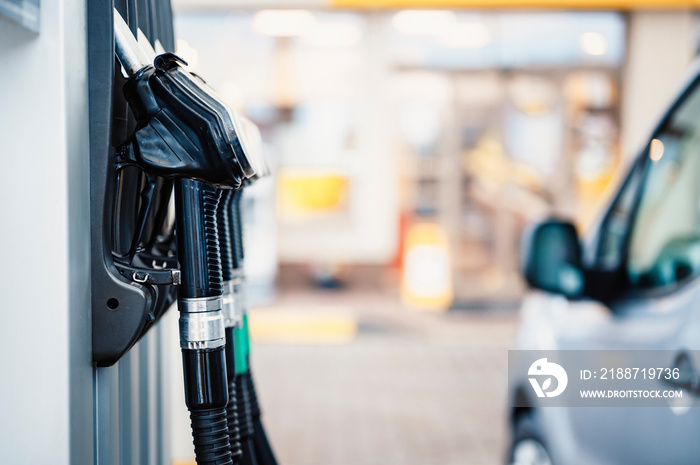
<point>129,52</point>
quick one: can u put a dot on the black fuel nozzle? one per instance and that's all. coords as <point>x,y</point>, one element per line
<point>186,133</point>
<point>184,130</point>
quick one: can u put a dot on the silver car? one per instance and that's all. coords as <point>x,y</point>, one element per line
<point>633,282</point>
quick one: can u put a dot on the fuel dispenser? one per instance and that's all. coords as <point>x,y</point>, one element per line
<point>168,160</point>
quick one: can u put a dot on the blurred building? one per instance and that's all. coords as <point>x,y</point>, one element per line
<point>470,123</point>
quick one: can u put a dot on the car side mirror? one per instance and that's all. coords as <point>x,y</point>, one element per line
<point>552,258</point>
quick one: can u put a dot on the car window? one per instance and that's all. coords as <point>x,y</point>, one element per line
<point>664,246</point>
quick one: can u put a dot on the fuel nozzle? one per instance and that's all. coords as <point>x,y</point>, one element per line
<point>184,130</point>
<point>186,133</point>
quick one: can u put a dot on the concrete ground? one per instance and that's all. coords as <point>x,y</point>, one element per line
<point>410,388</point>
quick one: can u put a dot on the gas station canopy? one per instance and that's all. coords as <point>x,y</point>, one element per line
<point>483,4</point>
<point>568,4</point>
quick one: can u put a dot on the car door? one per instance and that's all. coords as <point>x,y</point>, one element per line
<point>644,263</point>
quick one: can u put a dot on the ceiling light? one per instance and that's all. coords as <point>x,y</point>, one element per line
<point>283,23</point>
<point>422,22</point>
<point>333,35</point>
<point>593,43</point>
<point>465,35</point>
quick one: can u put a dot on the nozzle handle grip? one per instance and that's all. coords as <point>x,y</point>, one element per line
<point>197,239</point>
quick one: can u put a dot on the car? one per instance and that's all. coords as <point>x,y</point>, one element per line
<point>632,282</point>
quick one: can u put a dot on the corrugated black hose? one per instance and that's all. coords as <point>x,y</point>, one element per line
<point>201,321</point>
<point>228,262</point>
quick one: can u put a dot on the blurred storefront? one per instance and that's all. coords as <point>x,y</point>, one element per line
<point>505,117</point>
<point>387,124</point>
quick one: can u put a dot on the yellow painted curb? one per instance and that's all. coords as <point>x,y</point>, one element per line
<point>287,325</point>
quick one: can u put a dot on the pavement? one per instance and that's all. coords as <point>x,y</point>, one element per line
<point>407,387</point>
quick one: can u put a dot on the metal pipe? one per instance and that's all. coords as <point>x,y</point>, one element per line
<point>129,52</point>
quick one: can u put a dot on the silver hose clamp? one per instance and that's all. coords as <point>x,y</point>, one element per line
<point>199,304</point>
<point>201,323</point>
<point>231,319</point>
